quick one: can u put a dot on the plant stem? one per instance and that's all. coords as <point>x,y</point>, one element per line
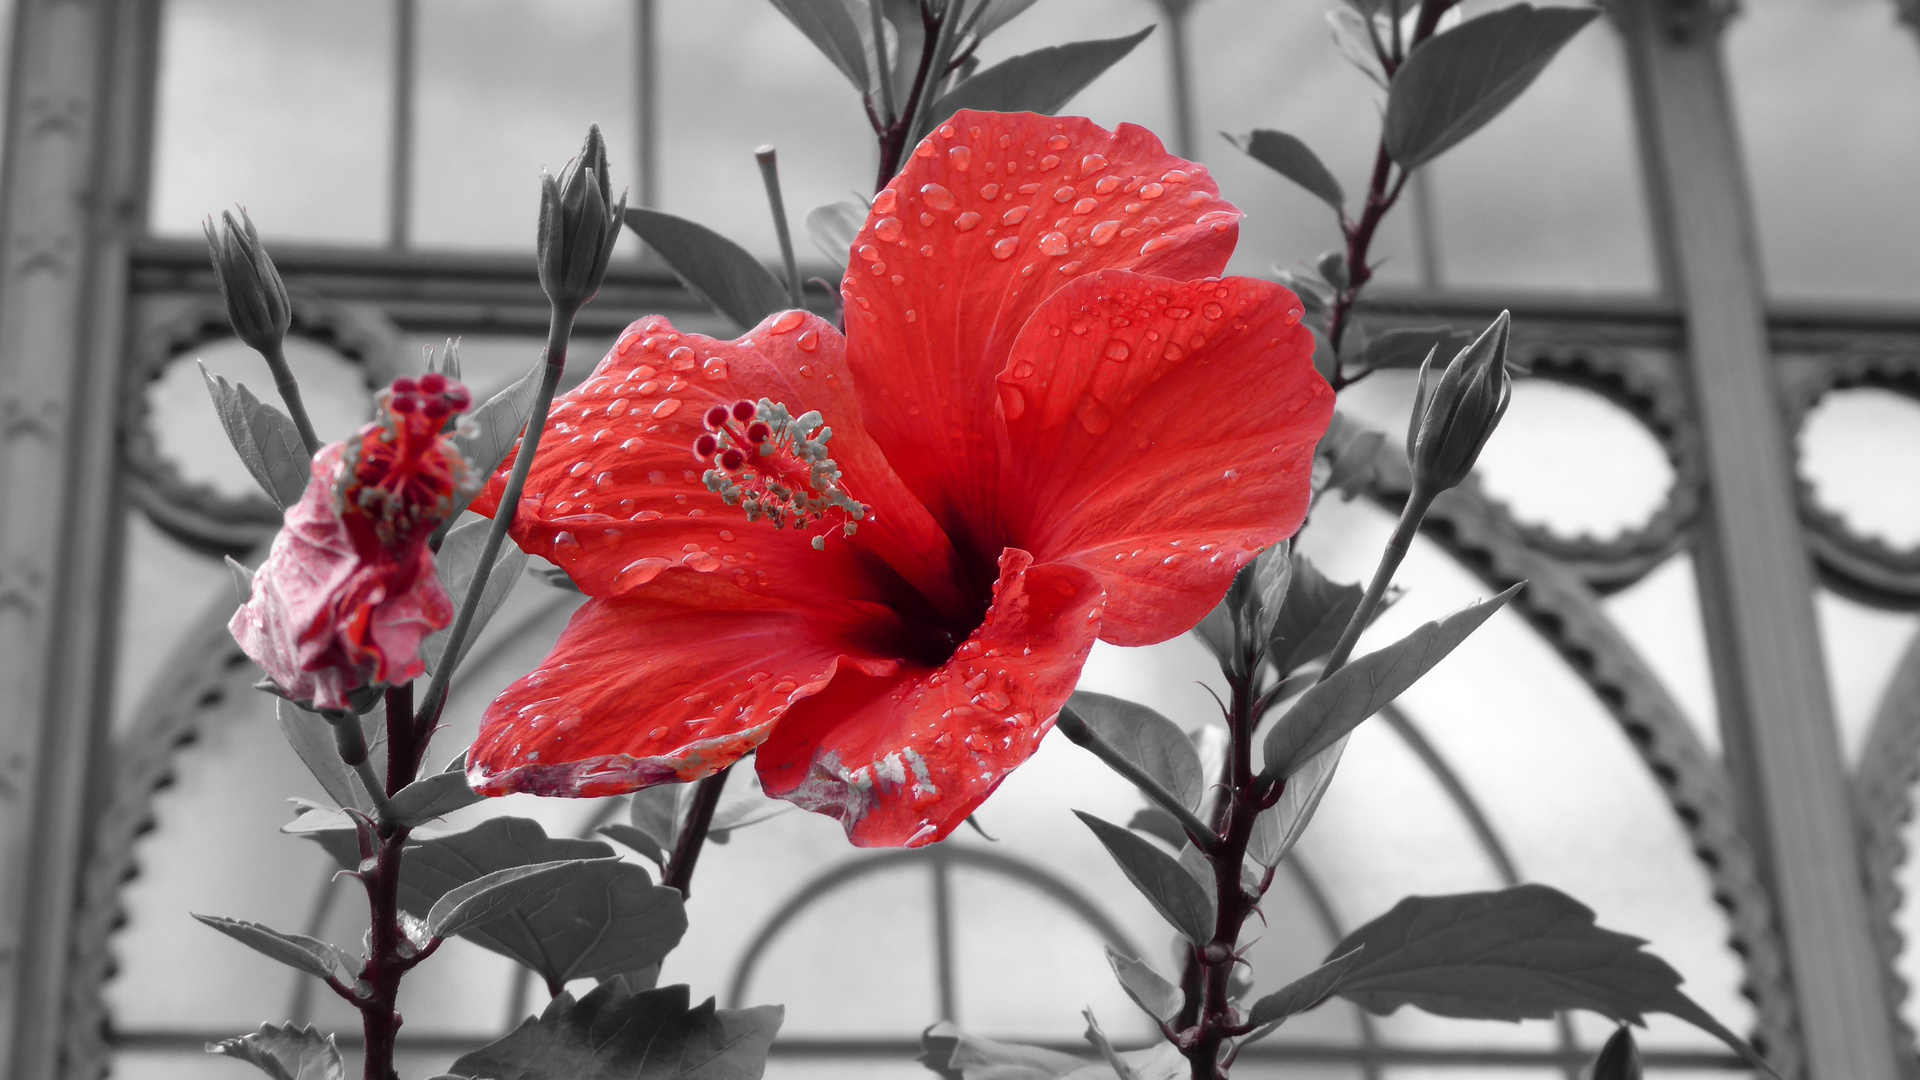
<point>678,872</point>
<point>1404,530</point>
<point>559,331</point>
<point>893,137</point>
<point>389,953</point>
<point>885,74</point>
<point>770,175</point>
<point>289,387</point>
<point>1076,729</point>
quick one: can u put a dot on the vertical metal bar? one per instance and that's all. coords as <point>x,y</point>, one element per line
<point>406,31</point>
<point>1180,75</point>
<point>646,118</point>
<point>69,212</point>
<point>943,931</point>
<point>1756,584</point>
<point>1426,228</point>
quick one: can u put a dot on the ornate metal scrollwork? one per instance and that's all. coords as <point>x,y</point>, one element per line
<point>197,514</point>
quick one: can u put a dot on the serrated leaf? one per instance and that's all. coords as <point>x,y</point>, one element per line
<point>1306,992</point>
<point>1456,82</point>
<point>1279,826</point>
<point>611,1034</point>
<point>1293,159</point>
<point>311,955</point>
<point>435,796</point>
<point>1515,954</point>
<point>1148,740</point>
<point>1311,617</point>
<point>1156,996</point>
<point>1619,1059</point>
<point>832,227</point>
<point>1330,710</point>
<point>607,916</point>
<point>715,269</point>
<point>311,736</point>
<point>456,562</point>
<point>1042,81</point>
<point>491,431</point>
<point>492,895</point>
<point>830,26</point>
<point>265,438</point>
<point>1160,878</point>
<point>286,1053</point>
<point>1405,348</point>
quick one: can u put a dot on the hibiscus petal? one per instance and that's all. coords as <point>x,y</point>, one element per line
<point>992,214</point>
<point>902,758</point>
<point>616,499</point>
<point>1160,433</point>
<point>670,683</point>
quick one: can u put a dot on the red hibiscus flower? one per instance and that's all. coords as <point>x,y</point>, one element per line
<point>348,591</point>
<point>881,559</point>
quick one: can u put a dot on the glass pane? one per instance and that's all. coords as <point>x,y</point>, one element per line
<point>1828,97</point>
<point>1862,645</point>
<point>1860,448</point>
<point>282,108</point>
<point>506,88</point>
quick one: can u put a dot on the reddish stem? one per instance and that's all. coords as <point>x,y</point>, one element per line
<point>678,873</point>
<point>389,953</point>
<point>893,136</point>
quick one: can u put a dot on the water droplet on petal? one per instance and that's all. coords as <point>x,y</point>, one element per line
<point>1005,247</point>
<point>1015,215</point>
<point>888,229</point>
<point>1012,401</point>
<point>566,549</point>
<point>1175,176</point>
<point>1054,243</point>
<point>990,191</point>
<point>681,359</point>
<point>639,572</point>
<point>1156,244</point>
<point>809,340</point>
<point>966,221</point>
<point>1063,194</point>
<point>1212,310</point>
<point>1116,350</point>
<point>962,158</point>
<point>666,408</point>
<point>1152,191</point>
<point>715,368</point>
<point>787,321</point>
<point>1071,267</point>
<point>1049,162</point>
<point>1091,164</point>
<point>706,562</point>
<point>1024,368</point>
<point>1085,206</point>
<point>867,252</point>
<point>1103,233</point>
<point>1106,185</point>
<point>1059,142</point>
<point>1093,416</point>
<point>937,197</point>
<point>884,202</point>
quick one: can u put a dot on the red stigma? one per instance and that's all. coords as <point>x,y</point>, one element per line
<point>704,446</point>
<point>743,411</point>
<point>458,397</point>
<point>404,403</point>
<point>433,383</point>
<point>732,459</point>
<point>404,385</point>
<point>717,417</point>
<point>758,432</point>
<point>436,408</point>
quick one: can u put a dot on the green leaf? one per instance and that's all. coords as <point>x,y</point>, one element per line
<point>1306,992</point>
<point>1156,996</point>
<point>492,895</point>
<point>435,796</point>
<point>830,26</point>
<point>833,226</point>
<point>1516,954</point>
<point>1160,825</point>
<point>311,955</point>
<point>612,1034</point>
<point>656,811</point>
<point>286,1053</point>
<point>264,437</point>
<point>955,1055</point>
<point>1312,614</point>
<point>1291,158</point>
<point>1042,81</point>
<point>1160,878</point>
<point>995,14</point>
<point>1456,82</point>
<point>635,839</point>
<point>1619,1059</point>
<point>1148,740</point>
<point>1325,714</point>
<point>1279,826</point>
<point>1407,348</point>
<point>607,916</point>
<point>491,431</point>
<point>332,829</point>
<point>457,561</point>
<point>714,268</point>
<point>311,736</point>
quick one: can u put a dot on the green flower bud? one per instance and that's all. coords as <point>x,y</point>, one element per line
<point>579,223</point>
<point>256,298</point>
<point>1453,418</point>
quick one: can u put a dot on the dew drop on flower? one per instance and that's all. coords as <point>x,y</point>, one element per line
<point>1086,206</point>
<point>1053,243</point>
<point>703,561</point>
<point>1005,247</point>
<point>1059,142</point>
<point>1093,416</point>
<point>566,550</point>
<point>1175,176</point>
<point>888,229</point>
<point>937,197</point>
<point>962,158</point>
<point>1063,194</point>
<point>1015,215</point>
<point>1152,191</point>
<point>884,202</point>
<point>1212,310</point>
<point>715,367</point>
<point>966,221</point>
<point>787,322</point>
<point>1156,244</point>
<point>639,572</point>
<point>1106,185</point>
<point>666,408</point>
<point>1116,350</point>
<point>1012,401</point>
<point>1178,312</point>
<point>1071,267</point>
<point>1103,233</point>
<point>990,191</point>
<point>681,359</point>
<point>1049,162</point>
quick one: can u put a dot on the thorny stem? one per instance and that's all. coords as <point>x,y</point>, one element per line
<point>894,132</point>
<point>678,873</point>
<point>389,953</point>
<point>1383,191</point>
<point>559,331</point>
<point>289,387</point>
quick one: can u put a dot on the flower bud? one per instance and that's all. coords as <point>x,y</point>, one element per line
<point>1454,417</point>
<point>579,223</point>
<point>256,298</point>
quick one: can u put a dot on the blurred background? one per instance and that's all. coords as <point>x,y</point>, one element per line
<point>389,150</point>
